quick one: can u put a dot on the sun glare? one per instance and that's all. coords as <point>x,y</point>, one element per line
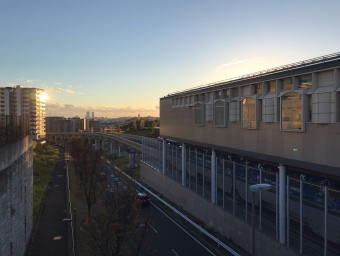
<point>43,96</point>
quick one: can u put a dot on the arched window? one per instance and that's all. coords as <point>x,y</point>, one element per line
<point>219,116</point>
<point>198,114</point>
<point>248,113</point>
<point>291,111</point>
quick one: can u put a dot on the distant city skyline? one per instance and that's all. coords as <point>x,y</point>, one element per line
<point>118,58</point>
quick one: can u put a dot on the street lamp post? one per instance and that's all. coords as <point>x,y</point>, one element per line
<point>255,188</point>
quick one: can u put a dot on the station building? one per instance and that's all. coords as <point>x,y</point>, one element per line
<point>288,115</point>
<point>279,126</point>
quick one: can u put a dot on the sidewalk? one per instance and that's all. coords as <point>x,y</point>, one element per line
<point>50,234</point>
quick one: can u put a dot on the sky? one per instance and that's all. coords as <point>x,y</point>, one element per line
<point>118,58</point>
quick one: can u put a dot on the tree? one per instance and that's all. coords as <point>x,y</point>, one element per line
<point>118,128</point>
<point>119,228</point>
<point>134,124</point>
<point>142,124</point>
<point>87,165</point>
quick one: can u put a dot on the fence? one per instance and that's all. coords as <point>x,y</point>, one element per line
<point>312,207</point>
<point>13,128</point>
<point>188,220</point>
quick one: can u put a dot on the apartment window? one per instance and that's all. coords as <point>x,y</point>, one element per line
<point>198,114</point>
<point>291,111</point>
<point>217,95</point>
<point>305,81</point>
<point>287,84</point>
<point>248,113</point>
<point>203,97</point>
<point>219,116</point>
<point>197,98</point>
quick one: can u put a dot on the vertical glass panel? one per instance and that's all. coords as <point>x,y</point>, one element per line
<point>235,92</point>
<point>272,86</point>
<point>198,114</point>
<point>305,81</point>
<point>296,115</point>
<point>288,84</point>
<point>291,112</point>
<point>219,113</point>
<point>258,88</point>
<point>245,116</point>
<point>252,115</point>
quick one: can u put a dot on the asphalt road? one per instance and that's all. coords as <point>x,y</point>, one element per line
<point>168,237</point>
<point>50,237</point>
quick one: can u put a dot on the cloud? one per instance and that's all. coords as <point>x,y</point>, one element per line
<point>70,110</point>
<point>81,93</point>
<point>25,80</point>
<point>70,86</point>
<point>78,86</point>
<point>156,107</point>
<point>57,83</point>
<point>59,90</point>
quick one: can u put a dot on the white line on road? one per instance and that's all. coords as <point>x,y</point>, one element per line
<point>153,228</point>
<point>184,230</point>
<point>174,252</point>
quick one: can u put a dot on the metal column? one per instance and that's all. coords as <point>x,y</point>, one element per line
<point>282,200</point>
<point>213,176</point>
<point>164,156</point>
<point>184,172</point>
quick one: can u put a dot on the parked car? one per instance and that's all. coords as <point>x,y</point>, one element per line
<point>143,199</point>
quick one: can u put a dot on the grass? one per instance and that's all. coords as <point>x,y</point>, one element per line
<point>144,132</point>
<point>122,163</point>
<point>44,159</point>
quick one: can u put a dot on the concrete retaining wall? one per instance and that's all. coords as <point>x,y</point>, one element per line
<point>16,196</point>
<point>222,221</point>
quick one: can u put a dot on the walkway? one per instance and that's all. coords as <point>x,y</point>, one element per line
<point>50,237</point>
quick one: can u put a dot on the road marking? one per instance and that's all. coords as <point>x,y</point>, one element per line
<point>57,238</point>
<point>153,228</point>
<point>174,252</point>
<point>183,230</point>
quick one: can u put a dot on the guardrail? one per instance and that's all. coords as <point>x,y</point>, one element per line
<point>202,230</point>
<point>13,128</point>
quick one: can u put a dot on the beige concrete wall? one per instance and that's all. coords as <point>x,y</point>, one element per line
<point>223,222</point>
<point>319,144</point>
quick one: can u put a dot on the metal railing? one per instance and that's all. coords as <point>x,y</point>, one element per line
<point>295,65</point>
<point>13,128</point>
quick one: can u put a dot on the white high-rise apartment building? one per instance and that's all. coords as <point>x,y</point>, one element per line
<point>24,101</point>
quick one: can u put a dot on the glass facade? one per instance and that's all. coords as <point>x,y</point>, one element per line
<point>198,114</point>
<point>248,113</point>
<point>291,111</point>
<point>287,84</point>
<point>305,81</point>
<point>219,119</point>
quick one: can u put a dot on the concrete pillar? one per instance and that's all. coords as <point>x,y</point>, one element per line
<point>121,150</point>
<point>184,171</point>
<point>132,158</point>
<point>113,147</point>
<point>103,144</point>
<point>164,156</point>
<point>213,176</point>
<point>282,203</point>
<point>97,144</point>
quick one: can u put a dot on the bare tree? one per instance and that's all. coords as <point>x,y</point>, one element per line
<point>119,228</point>
<point>87,164</point>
